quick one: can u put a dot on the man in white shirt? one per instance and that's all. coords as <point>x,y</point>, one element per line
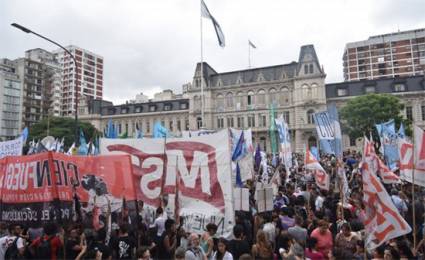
<point>159,223</point>
<point>7,241</point>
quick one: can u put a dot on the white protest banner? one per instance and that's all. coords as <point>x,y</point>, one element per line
<point>264,197</point>
<point>241,196</point>
<point>200,164</point>
<point>11,148</point>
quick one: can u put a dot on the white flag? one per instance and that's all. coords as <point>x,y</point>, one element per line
<point>206,13</point>
<point>285,142</point>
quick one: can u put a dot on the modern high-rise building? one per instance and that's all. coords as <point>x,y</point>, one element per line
<point>10,100</point>
<point>89,73</point>
<point>398,54</point>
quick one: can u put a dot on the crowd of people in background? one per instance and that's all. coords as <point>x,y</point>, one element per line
<point>306,223</point>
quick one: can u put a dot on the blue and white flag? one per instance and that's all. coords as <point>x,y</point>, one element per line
<point>285,141</point>
<point>159,131</point>
<point>239,150</point>
<point>329,131</point>
<point>401,131</point>
<point>315,152</point>
<point>24,135</point>
<point>388,138</point>
<point>206,13</point>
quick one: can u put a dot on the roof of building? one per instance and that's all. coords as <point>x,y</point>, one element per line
<point>387,85</point>
<point>160,106</point>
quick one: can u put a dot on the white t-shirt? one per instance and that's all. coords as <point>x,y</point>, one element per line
<point>7,241</point>
<point>160,223</point>
<point>319,202</point>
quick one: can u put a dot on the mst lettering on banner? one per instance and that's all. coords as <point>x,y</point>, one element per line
<point>324,126</point>
<point>197,168</point>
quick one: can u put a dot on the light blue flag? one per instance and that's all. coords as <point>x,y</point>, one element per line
<point>401,132</point>
<point>388,138</point>
<point>82,150</point>
<point>315,152</point>
<point>329,131</point>
<point>159,131</point>
<point>96,146</point>
<point>25,134</point>
<point>285,141</point>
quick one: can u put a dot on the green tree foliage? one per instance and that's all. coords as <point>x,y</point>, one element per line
<point>61,127</point>
<point>361,113</point>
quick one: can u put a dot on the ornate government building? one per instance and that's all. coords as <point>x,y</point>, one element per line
<point>241,99</point>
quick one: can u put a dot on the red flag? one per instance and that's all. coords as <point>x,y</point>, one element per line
<point>320,175</point>
<point>383,221</point>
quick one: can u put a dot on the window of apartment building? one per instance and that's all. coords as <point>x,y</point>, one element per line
<point>262,120</point>
<point>250,97</point>
<point>220,122</point>
<point>251,120</point>
<point>124,110</point>
<point>152,108</point>
<point>286,116</point>
<point>239,100</point>
<point>148,127</point>
<point>240,122</point>
<point>138,109</point>
<point>199,122</point>
<point>341,92</point>
<point>229,100</point>
<point>409,113</point>
<point>119,128</point>
<point>263,143</point>
<point>399,87</point>
<point>311,68</point>
<point>310,118</point>
<point>179,125</point>
<point>423,112</point>
<point>170,125</point>
<point>186,124</point>
<point>230,122</point>
<point>369,89</point>
<point>273,96</point>
<point>126,128</point>
<point>305,69</point>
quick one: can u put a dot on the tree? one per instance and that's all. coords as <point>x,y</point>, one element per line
<point>361,113</point>
<point>61,127</point>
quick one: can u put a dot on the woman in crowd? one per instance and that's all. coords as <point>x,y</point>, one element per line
<point>222,253</point>
<point>262,249</point>
<point>207,240</point>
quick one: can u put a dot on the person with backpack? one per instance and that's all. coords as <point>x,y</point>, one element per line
<point>49,245</point>
<point>12,246</point>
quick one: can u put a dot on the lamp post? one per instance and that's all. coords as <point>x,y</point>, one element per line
<point>26,30</point>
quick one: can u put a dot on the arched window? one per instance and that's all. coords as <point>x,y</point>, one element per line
<point>229,100</point>
<point>273,96</point>
<point>285,95</point>
<point>240,100</point>
<point>310,118</point>
<point>219,101</point>
<point>199,122</point>
<point>261,97</point>
<point>250,98</point>
<point>307,94</point>
<point>311,69</point>
<point>312,141</point>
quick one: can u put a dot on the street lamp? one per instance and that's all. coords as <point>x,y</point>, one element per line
<point>26,30</point>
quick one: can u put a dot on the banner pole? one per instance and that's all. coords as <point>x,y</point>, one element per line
<point>413,189</point>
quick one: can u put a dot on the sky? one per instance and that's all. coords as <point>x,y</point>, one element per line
<point>152,45</point>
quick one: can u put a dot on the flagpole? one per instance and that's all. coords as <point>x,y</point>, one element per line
<point>249,55</point>
<point>413,189</point>
<point>202,67</point>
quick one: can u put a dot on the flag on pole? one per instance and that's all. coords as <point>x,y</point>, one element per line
<point>388,138</point>
<point>257,157</point>
<point>25,134</point>
<point>382,221</point>
<point>83,149</point>
<point>401,131</point>
<point>329,131</point>
<point>272,130</point>
<point>285,141</point>
<point>376,165</point>
<point>240,148</point>
<point>251,44</point>
<point>419,159</point>
<point>159,131</point>
<point>320,175</point>
<point>206,13</point>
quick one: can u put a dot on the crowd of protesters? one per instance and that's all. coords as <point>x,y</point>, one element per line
<point>306,223</point>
